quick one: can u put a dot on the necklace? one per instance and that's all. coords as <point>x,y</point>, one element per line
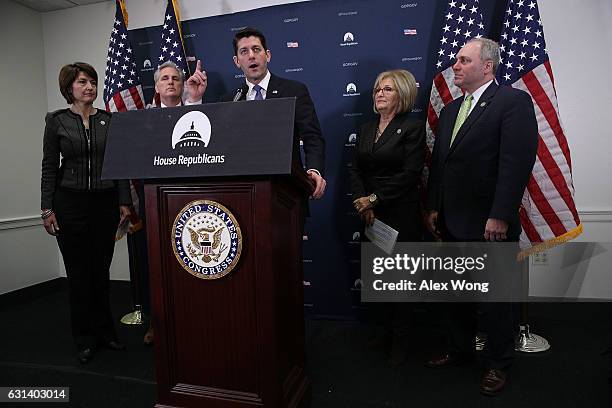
<point>378,134</point>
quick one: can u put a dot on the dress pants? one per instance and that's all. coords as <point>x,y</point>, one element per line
<point>405,217</point>
<point>139,257</point>
<point>499,320</point>
<point>87,225</point>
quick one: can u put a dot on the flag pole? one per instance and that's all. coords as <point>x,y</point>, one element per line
<point>528,342</point>
<point>123,92</point>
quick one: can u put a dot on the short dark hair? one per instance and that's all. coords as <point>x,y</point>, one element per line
<point>69,73</point>
<point>248,32</point>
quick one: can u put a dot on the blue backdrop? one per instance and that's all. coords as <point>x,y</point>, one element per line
<point>337,48</point>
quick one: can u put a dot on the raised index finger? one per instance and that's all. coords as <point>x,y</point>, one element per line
<point>199,66</point>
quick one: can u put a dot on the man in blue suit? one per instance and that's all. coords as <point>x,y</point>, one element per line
<point>481,163</point>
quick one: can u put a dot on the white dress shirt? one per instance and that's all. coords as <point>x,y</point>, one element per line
<point>264,85</point>
<point>477,94</point>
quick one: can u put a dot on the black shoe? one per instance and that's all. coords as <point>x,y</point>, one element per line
<point>85,355</point>
<point>114,345</point>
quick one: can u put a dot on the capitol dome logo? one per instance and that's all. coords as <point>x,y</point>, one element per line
<point>351,90</point>
<point>192,130</point>
<point>348,40</point>
<point>206,239</point>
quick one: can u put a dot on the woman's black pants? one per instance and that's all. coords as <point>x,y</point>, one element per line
<point>87,225</point>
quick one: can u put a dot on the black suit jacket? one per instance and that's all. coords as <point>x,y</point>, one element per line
<point>391,168</point>
<point>484,173</point>
<point>306,126</point>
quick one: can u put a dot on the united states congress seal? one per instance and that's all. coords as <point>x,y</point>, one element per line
<point>206,239</point>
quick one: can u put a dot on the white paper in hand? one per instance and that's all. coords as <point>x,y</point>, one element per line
<point>382,235</point>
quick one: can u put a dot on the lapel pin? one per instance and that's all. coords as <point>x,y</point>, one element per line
<point>275,91</point>
<point>482,105</point>
<point>399,131</point>
<point>102,122</point>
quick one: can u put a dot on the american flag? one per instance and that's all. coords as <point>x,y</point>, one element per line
<point>122,89</point>
<point>171,47</point>
<point>548,212</point>
<point>462,21</point>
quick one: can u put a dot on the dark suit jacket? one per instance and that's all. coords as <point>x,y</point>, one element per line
<point>484,173</point>
<point>307,126</point>
<point>391,169</point>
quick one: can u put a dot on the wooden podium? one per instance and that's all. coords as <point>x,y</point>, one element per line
<point>235,340</point>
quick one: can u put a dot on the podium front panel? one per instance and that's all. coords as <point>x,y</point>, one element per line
<point>238,340</point>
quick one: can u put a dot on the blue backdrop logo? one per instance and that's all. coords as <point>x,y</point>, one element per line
<point>349,40</point>
<point>351,90</point>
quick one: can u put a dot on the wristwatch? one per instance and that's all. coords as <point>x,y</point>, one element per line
<point>373,199</point>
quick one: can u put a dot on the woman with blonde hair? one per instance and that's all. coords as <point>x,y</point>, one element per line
<point>389,157</point>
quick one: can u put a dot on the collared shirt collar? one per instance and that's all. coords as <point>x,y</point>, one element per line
<point>264,85</point>
<point>478,93</point>
<point>165,106</point>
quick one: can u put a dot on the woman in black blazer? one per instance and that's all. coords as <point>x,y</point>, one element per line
<point>389,157</point>
<point>80,209</point>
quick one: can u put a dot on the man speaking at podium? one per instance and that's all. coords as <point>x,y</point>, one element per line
<point>252,56</point>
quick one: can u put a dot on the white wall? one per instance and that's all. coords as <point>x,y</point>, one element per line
<point>580,64</point>
<point>578,36</point>
<point>28,255</point>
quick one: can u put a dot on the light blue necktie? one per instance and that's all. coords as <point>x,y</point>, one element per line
<point>258,95</point>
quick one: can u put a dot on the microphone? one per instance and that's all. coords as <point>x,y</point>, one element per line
<point>238,95</point>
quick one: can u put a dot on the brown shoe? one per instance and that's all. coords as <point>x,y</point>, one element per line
<point>148,337</point>
<point>493,381</point>
<point>398,353</point>
<point>381,340</point>
<point>449,360</point>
